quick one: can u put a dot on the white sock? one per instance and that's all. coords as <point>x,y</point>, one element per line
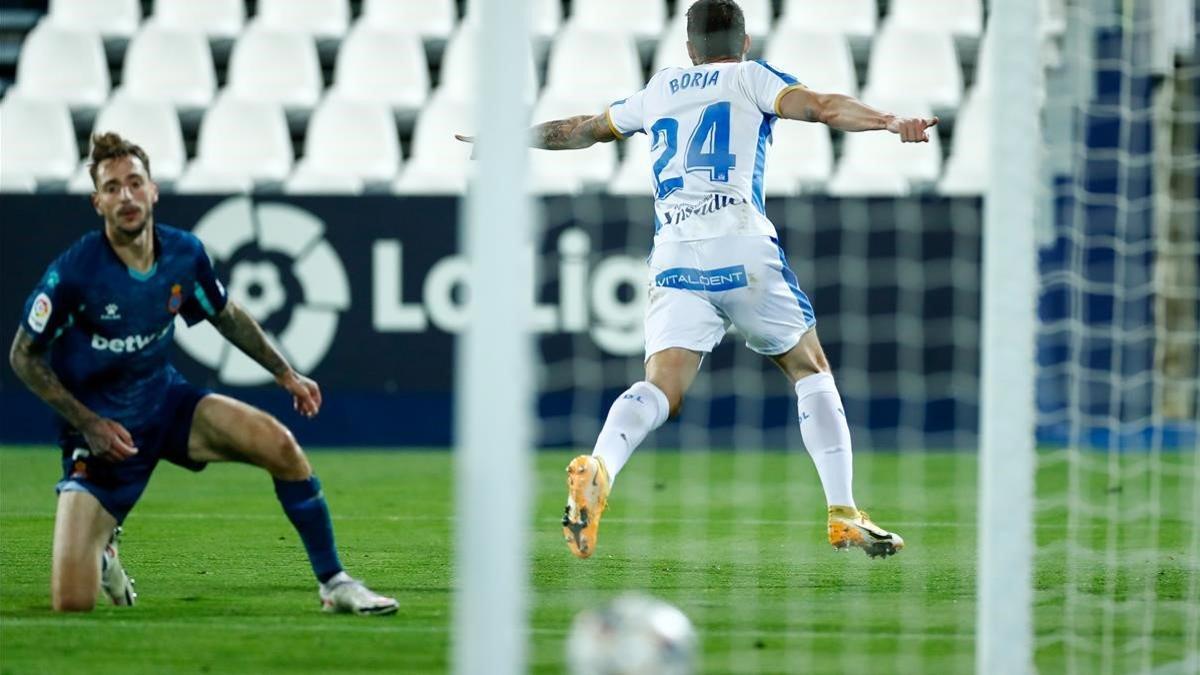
<point>641,409</point>
<point>826,436</point>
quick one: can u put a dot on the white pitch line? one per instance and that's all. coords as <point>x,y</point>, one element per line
<point>370,626</point>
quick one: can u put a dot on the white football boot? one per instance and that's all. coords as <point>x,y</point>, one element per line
<point>345,594</point>
<point>115,583</point>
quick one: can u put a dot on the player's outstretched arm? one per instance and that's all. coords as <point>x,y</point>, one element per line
<point>849,114</point>
<point>572,133</point>
<point>105,437</point>
<point>244,332</point>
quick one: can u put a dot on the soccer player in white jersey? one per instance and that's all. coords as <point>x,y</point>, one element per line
<point>716,260</point>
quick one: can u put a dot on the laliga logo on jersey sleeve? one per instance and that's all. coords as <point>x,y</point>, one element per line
<point>257,240</point>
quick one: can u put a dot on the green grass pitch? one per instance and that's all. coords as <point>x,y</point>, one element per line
<point>735,539</point>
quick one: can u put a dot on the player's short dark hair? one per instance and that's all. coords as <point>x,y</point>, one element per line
<point>111,145</point>
<point>716,28</point>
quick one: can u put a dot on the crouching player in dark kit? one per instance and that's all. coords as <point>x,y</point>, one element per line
<point>94,345</point>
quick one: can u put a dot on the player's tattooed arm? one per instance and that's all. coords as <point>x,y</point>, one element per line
<point>106,438</point>
<point>244,332</point>
<point>572,133</point>
<point>29,363</point>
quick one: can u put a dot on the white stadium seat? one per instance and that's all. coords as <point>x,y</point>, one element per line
<point>568,172</point>
<point>354,139</point>
<point>170,65</point>
<point>244,139</point>
<point>822,61</point>
<point>63,65</point>
<point>111,18</point>
<point>307,181</point>
<point>37,139</point>
<point>640,18</point>
<point>322,19</point>
<point>439,164</point>
<point>12,182</point>
<point>800,158</point>
<point>460,67</point>
<point>634,176</point>
<point>545,16</point>
<point>277,67</point>
<point>853,18</point>
<point>914,65</point>
<point>867,183</point>
<point>592,69</point>
<point>876,157</point>
<point>382,67</point>
<point>202,180</point>
<point>960,18</point>
<point>217,19</point>
<point>431,19</point>
<point>152,125</point>
<point>81,182</point>
<point>967,167</point>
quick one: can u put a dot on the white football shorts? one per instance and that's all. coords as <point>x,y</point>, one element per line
<point>698,289</point>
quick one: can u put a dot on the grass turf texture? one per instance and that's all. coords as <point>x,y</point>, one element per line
<point>736,540</point>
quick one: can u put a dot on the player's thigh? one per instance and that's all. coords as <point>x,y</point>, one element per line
<point>227,430</point>
<point>81,529</point>
<point>806,358</point>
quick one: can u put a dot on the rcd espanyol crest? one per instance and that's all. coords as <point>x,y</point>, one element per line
<point>283,273</point>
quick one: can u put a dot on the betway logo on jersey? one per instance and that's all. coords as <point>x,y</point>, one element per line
<point>128,344</point>
<point>712,204</point>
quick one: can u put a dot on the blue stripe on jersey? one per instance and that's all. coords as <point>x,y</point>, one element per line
<point>202,298</point>
<point>760,162</point>
<point>787,79</point>
<point>692,279</point>
<point>806,308</point>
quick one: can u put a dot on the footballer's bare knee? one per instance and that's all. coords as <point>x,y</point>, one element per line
<point>672,371</point>
<point>284,458</point>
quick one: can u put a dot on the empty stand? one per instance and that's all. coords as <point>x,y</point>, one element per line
<point>170,65</point>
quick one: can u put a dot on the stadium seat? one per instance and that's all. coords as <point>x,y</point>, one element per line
<point>321,19</point>
<point>12,182</point>
<point>822,61</point>
<point>967,167</point>
<point>643,19</point>
<point>170,65</point>
<point>634,177</point>
<point>868,184</point>
<point>545,16</point>
<point>431,19</point>
<point>592,69</point>
<point>960,18</point>
<point>439,164</point>
<point>855,19</point>
<point>201,180</point>
<point>81,182</point>
<point>460,67</point>
<point>875,156</point>
<point>243,139</point>
<point>570,171</point>
<point>800,158</point>
<point>63,65</point>
<point>38,140</point>
<point>218,19</point>
<point>152,125</point>
<point>307,181</point>
<point>382,67</point>
<point>914,65</point>
<point>110,18</point>
<point>277,67</point>
<point>352,138</point>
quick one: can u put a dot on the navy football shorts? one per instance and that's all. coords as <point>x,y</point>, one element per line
<point>118,485</point>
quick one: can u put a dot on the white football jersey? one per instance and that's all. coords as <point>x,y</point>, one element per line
<point>709,128</point>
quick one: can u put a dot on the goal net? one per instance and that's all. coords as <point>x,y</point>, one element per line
<point>1118,512</point>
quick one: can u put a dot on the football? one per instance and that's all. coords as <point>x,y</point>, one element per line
<point>632,635</point>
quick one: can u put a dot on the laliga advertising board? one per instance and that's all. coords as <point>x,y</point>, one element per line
<point>362,293</point>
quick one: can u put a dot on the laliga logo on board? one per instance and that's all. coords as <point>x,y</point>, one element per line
<point>256,240</point>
